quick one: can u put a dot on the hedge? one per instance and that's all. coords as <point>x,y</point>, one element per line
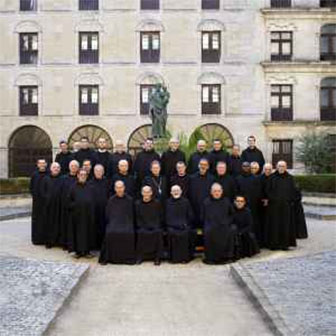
<point>19,185</point>
<point>325,183</point>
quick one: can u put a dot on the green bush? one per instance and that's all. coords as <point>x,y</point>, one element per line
<point>19,185</point>
<point>323,183</point>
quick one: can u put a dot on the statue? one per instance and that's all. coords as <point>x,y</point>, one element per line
<point>158,101</point>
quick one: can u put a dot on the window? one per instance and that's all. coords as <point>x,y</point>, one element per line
<point>88,100</point>
<point>150,4</point>
<point>328,99</point>
<point>328,43</point>
<point>281,46</point>
<point>150,47</point>
<point>28,5</point>
<point>88,48</point>
<point>145,92</point>
<point>281,102</point>
<point>210,4</point>
<point>211,99</point>
<point>28,100</point>
<point>283,150</point>
<point>211,47</point>
<point>281,3</point>
<point>88,4</point>
<point>28,48</point>
<point>328,3</point>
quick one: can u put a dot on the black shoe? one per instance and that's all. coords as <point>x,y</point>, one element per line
<point>89,255</point>
<point>139,261</point>
<point>48,246</point>
<point>103,263</point>
<point>157,262</point>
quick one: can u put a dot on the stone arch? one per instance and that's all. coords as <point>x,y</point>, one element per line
<point>150,78</point>
<point>211,78</point>
<point>150,25</point>
<point>27,26</point>
<point>137,138</point>
<point>211,25</point>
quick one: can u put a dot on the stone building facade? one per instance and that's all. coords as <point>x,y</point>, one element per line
<point>85,67</point>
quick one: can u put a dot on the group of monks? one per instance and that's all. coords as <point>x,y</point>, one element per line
<point>160,207</point>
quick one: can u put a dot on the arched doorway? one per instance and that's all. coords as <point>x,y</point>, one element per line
<point>93,133</point>
<point>26,145</point>
<point>210,132</point>
<point>137,138</point>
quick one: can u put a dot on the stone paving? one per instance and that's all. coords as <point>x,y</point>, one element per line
<point>297,295</point>
<point>32,292</point>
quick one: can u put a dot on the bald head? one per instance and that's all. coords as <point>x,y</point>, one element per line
<point>176,191</point>
<point>55,168</point>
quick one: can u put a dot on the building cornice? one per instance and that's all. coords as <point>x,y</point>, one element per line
<point>299,66</point>
<point>299,13</point>
<point>292,123</point>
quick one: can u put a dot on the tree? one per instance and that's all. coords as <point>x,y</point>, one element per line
<point>314,150</point>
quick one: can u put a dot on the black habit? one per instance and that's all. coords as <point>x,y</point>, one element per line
<point>37,219</point>
<point>119,242</point>
<point>64,159</point>
<point>253,154</point>
<point>84,154</point>
<point>228,184</point>
<point>149,218</point>
<point>129,183</point>
<point>235,165</point>
<point>181,238</point>
<point>158,185</point>
<point>142,164</point>
<point>169,160</point>
<point>218,230</point>
<point>183,182</point>
<point>218,156</point>
<point>194,160</point>
<point>299,216</point>
<point>116,157</point>
<point>103,158</point>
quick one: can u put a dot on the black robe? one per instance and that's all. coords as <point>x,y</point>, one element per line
<point>235,165</point>
<point>82,227</point>
<point>129,183</point>
<point>68,181</point>
<point>64,159</point>
<point>119,242</point>
<point>250,186</point>
<point>299,216</point>
<point>264,180</point>
<point>181,238</point>
<point>246,242</point>
<point>104,158</point>
<point>194,160</point>
<point>228,184</point>
<point>37,219</point>
<point>281,232</point>
<point>149,220</point>
<point>52,194</point>
<point>255,154</point>
<point>218,156</point>
<point>100,191</point>
<point>218,230</point>
<point>183,182</point>
<point>199,190</point>
<point>169,160</point>
<point>84,154</point>
<point>116,157</point>
<point>158,185</point>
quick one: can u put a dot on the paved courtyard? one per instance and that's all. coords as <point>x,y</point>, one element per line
<point>193,299</point>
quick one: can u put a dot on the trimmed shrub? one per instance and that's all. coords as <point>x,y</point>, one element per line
<point>323,183</point>
<point>19,185</point>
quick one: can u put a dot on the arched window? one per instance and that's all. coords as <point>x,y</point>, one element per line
<point>328,43</point>
<point>137,138</point>
<point>26,145</point>
<point>328,98</point>
<point>93,133</point>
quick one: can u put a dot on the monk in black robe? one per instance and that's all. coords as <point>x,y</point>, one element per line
<point>149,223</point>
<point>100,190</point>
<point>121,154</point>
<point>218,154</point>
<point>200,184</point>
<point>225,180</point>
<point>87,165</point>
<point>218,230</point>
<point>124,176</point>
<point>181,178</point>
<point>195,158</point>
<point>64,157</point>
<point>299,216</point>
<point>235,162</point>
<point>179,219</point>
<point>68,181</point>
<point>252,153</point>
<point>246,242</point>
<point>82,228</point>
<point>84,153</point>
<point>37,219</point>
<point>119,242</point>
<point>103,157</point>
<point>143,162</point>
<point>281,195</point>
<point>170,158</point>
<point>157,182</point>
<point>51,190</point>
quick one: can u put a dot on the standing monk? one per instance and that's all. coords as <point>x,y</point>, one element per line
<point>85,152</point>
<point>120,154</point>
<point>37,224</point>
<point>218,154</point>
<point>125,176</point>
<point>181,178</point>
<point>252,153</point>
<point>64,157</point>
<point>281,195</point>
<point>119,242</point>
<point>157,182</point>
<point>171,157</point>
<point>225,180</point>
<point>103,157</point>
<point>195,158</point>
<point>235,162</point>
